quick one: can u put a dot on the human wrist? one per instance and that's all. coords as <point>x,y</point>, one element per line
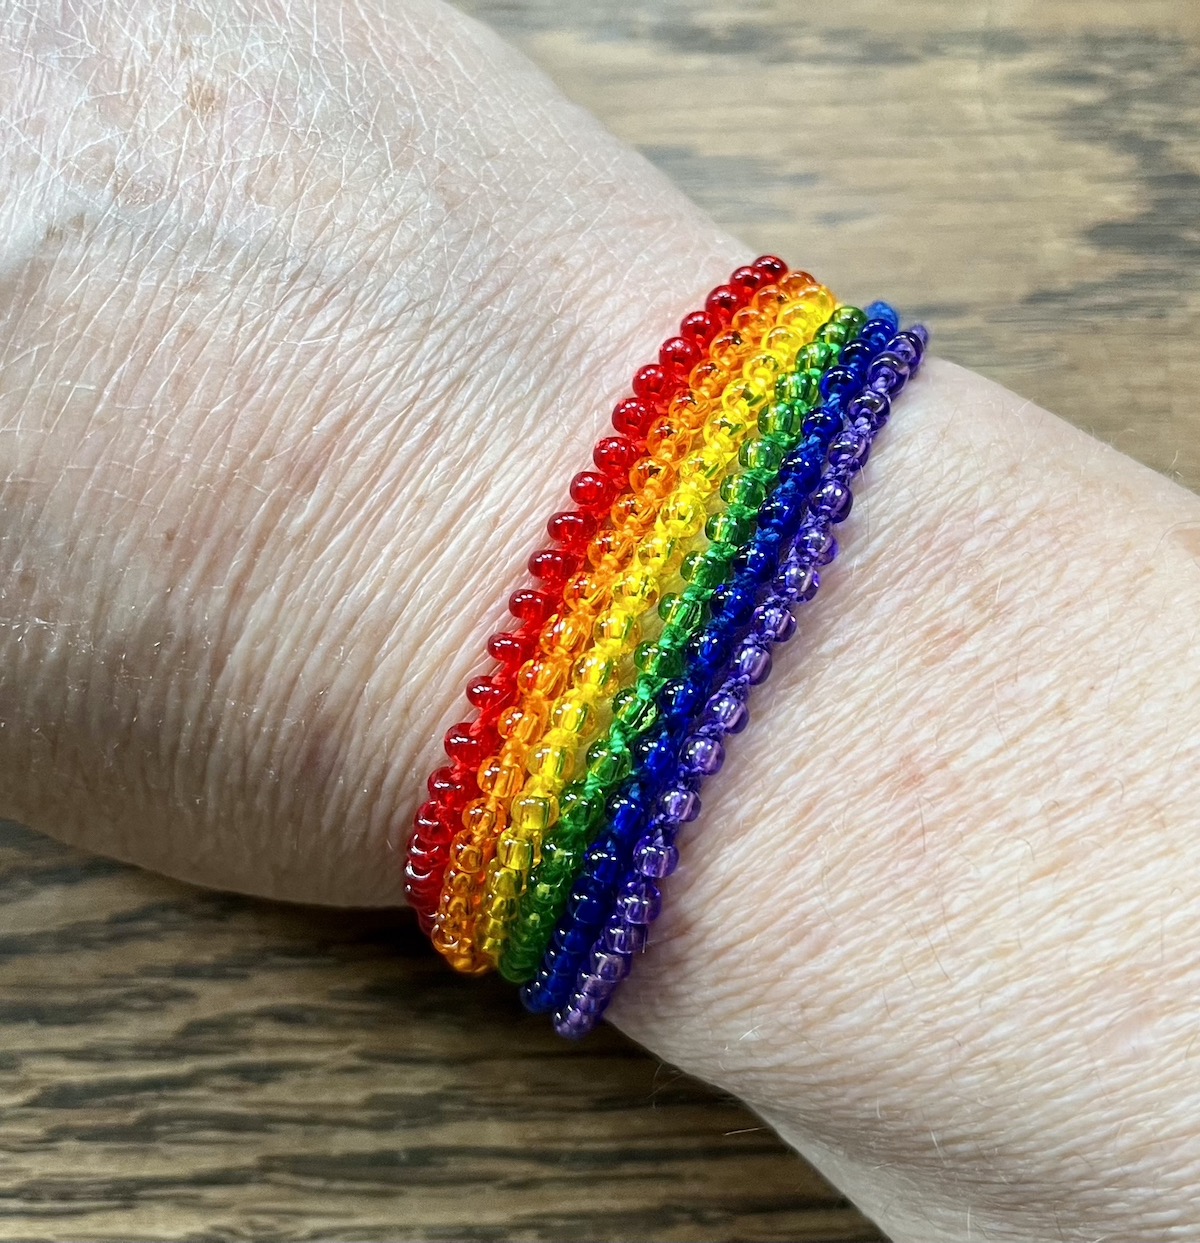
<point>886,944</point>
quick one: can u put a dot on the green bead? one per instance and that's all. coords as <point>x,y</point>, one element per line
<point>744,488</point>
<point>761,455</point>
<point>850,317</point>
<point>734,526</point>
<point>607,762</point>
<point>815,356</point>
<point>782,419</point>
<point>686,609</point>
<point>833,334</point>
<point>633,711</point>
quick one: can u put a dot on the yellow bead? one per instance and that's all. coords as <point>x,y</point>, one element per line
<point>502,777</point>
<point>595,674</point>
<point>617,626</point>
<point>784,343</point>
<point>515,852</point>
<point>551,762</point>
<point>683,514</point>
<point>548,678</point>
<point>636,589</point>
<point>522,722</point>
<point>529,814</point>
<point>571,714</point>
<point>657,550</point>
<point>568,633</point>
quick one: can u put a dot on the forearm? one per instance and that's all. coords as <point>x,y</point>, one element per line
<point>277,404</point>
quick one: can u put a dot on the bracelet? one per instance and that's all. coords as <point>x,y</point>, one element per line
<point>542,847</point>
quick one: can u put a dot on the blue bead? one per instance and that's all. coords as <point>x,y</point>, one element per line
<point>732,604</point>
<point>803,467</point>
<point>822,425</point>
<point>883,311</point>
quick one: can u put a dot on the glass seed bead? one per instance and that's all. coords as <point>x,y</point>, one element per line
<point>798,284</point>
<point>654,384</point>
<point>708,379</point>
<point>592,490</point>
<point>698,326</point>
<point>832,500</point>
<point>688,410</point>
<point>771,266</point>
<point>679,353</point>
<point>746,279</point>
<point>888,372</point>
<point>722,302</point>
<point>632,417</point>
<point>614,455</point>
<point>572,529</point>
<point>750,324</point>
<point>726,350</point>
<point>702,756</point>
<point>552,566</point>
<point>884,312</point>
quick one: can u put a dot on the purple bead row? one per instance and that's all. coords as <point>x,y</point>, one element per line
<point>726,712</point>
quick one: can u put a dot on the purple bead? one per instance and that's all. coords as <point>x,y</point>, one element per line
<point>872,406</point>
<point>814,539</point>
<point>572,1024</point>
<point>702,756</point>
<point>655,859</point>
<point>590,1003</point>
<point>639,901</point>
<point>727,712</point>
<point>679,804</point>
<point>624,938</point>
<point>907,347</point>
<point>800,581</point>
<point>773,621</point>
<point>752,661</point>
<point>887,373</point>
<point>609,967</point>
<point>832,500</point>
<point>922,334</point>
<point>850,450</point>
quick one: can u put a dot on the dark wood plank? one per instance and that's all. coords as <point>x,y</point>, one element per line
<point>185,1065</point>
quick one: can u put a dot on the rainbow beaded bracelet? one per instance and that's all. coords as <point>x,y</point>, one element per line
<point>543,843</point>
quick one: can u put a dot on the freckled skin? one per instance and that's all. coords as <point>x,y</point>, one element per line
<point>307,316</point>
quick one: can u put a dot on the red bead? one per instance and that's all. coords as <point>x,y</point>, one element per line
<point>771,266</point>
<point>591,490</point>
<point>462,746</point>
<point>699,326</point>
<point>489,693</point>
<point>722,303</point>
<point>533,608</point>
<point>747,279</point>
<point>552,566</point>
<point>509,649</point>
<point>572,529</point>
<point>632,417</point>
<point>679,352</point>
<point>656,385</point>
<point>446,785</point>
<point>431,820</point>
<point>614,455</point>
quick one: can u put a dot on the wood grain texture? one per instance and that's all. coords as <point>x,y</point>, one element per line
<point>184,1065</point>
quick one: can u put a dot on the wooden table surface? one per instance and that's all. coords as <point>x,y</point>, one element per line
<point>184,1065</point>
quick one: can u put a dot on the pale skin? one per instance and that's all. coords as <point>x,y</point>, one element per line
<point>307,313</point>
